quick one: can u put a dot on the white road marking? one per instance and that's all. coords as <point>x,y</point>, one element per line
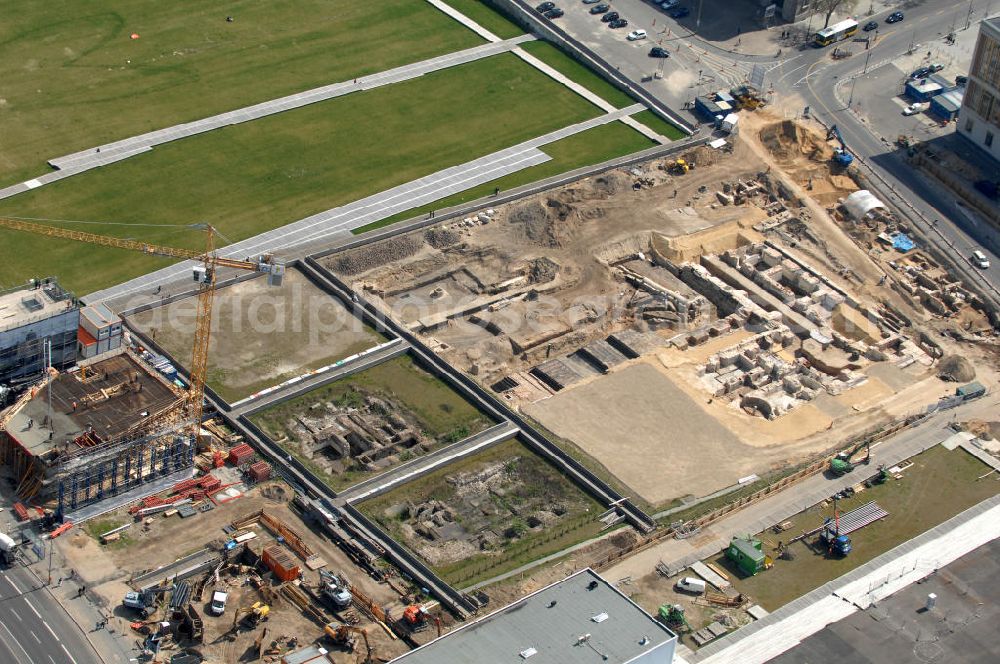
<point>54,635</point>
<point>33,609</point>
<point>35,636</point>
<point>67,653</point>
<point>52,660</point>
<point>16,614</point>
<point>12,584</point>
<point>18,643</point>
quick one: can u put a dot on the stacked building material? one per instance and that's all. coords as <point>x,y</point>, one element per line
<point>260,471</point>
<point>240,454</point>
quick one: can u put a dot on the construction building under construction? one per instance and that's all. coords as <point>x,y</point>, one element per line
<point>85,435</point>
<point>31,315</point>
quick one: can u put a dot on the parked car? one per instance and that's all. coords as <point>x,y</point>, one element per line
<point>894,17</point>
<point>871,25</point>
<point>919,107</point>
<point>218,606</point>
<point>636,35</point>
<point>618,23</point>
<point>980,260</point>
<point>554,13</point>
<point>610,16</point>
<point>961,80</point>
<point>935,67</point>
<point>599,9</point>
<point>680,12</point>
<point>544,7</point>
<point>590,2</point>
<point>921,72</point>
<point>669,4</point>
<point>659,52</point>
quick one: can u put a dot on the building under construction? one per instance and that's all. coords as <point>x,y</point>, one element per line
<point>84,436</point>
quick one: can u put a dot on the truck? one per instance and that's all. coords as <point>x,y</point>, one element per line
<point>139,602</point>
<point>8,549</point>
<point>335,590</point>
<point>218,605</point>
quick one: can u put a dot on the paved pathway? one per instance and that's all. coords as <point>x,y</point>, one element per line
<point>678,554</point>
<point>376,207</point>
<point>108,153</point>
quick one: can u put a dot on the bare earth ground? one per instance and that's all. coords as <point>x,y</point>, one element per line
<point>261,335</point>
<point>106,569</point>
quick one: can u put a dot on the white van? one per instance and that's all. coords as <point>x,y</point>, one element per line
<point>690,584</point>
<point>980,260</point>
<point>636,35</point>
<point>218,606</point>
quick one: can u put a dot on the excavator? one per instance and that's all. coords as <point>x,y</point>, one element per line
<point>343,635</point>
<point>672,615</point>
<point>841,156</point>
<point>830,537</point>
<point>254,614</point>
<point>416,618</point>
<point>843,463</point>
<point>678,167</point>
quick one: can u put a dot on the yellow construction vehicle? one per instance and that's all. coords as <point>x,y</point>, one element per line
<point>253,614</point>
<point>343,635</point>
<point>678,167</point>
<point>204,275</point>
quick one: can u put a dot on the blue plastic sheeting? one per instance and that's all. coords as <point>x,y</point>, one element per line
<point>902,242</point>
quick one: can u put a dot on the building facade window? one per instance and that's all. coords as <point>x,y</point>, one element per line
<point>989,139</point>
<point>969,124</point>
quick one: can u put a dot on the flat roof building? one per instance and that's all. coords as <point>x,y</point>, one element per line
<point>979,118</point>
<point>30,315</point>
<point>578,620</point>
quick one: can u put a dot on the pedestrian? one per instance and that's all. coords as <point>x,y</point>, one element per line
<point>675,193</point>
<point>496,192</point>
<point>82,590</point>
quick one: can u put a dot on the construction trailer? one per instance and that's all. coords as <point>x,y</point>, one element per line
<point>80,437</point>
<point>747,553</point>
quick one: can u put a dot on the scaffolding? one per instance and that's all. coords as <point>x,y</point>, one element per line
<point>112,468</point>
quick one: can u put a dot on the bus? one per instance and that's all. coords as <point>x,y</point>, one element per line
<point>835,32</point>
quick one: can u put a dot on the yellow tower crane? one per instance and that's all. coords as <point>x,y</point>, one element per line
<point>204,275</point>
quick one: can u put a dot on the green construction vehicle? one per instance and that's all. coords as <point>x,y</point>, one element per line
<point>672,615</point>
<point>843,463</point>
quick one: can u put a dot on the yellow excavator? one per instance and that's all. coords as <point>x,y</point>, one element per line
<point>343,635</point>
<point>678,167</point>
<point>253,614</point>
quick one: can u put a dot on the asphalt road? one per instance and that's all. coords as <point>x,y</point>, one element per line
<point>34,629</point>
<point>958,229</point>
<point>698,67</point>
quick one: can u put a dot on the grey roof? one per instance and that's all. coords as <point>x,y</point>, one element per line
<point>552,621</point>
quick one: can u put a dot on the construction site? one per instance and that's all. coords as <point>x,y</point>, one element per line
<point>729,293</point>
<point>453,403</point>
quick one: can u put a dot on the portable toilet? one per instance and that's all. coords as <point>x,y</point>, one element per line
<point>748,555</point>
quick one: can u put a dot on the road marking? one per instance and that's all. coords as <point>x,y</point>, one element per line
<point>54,635</point>
<point>33,609</point>
<point>12,584</point>
<point>16,614</point>
<point>52,660</point>
<point>18,643</point>
<point>67,653</point>
<point>35,636</point>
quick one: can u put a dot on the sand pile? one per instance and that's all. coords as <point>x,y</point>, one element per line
<point>788,142</point>
<point>374,255</point>
<point>956,368</point>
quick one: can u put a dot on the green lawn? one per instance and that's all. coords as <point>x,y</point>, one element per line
<point>487,17</point>
<point>659,125</point>
<point>577,73</point>
<point>589,147</point>
<point>71,77</point>
<point>261,175</point>
<point>938,486</point>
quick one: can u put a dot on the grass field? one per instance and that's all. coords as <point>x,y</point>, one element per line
<point>73,78</point>
<point>260,175</point>
<point>487,17</point>
<point>589,147</point>
<point>938,486</point>
<point>659,125</point>
<point>577,73</point>
<point>525,485</point>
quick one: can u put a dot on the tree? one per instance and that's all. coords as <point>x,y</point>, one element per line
<point>827,7</point>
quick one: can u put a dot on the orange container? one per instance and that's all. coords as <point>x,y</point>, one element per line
<point>279,561</point>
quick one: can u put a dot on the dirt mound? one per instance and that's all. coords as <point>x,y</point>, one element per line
<point>374,255</point>
<point>610,184</point>
<point>956,368</point>
<point>788,141</point>
<point>439,238</point>
<point>548,225</point>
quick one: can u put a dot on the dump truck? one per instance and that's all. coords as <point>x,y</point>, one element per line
<point>8,549</point>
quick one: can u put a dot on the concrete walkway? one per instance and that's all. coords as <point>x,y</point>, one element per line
<point>679,554</point>
<point>555,75</point>
<point>343,219</point>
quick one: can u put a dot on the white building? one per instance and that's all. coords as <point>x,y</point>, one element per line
<point>30,315</point>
